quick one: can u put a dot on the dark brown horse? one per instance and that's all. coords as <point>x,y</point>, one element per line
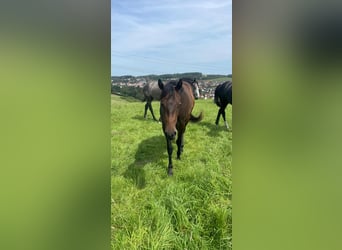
<point>176,104</point>
<point>223,96</point>
<point>152,92</point>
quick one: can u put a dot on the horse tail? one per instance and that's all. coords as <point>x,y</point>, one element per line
<point>217,100</point>
<point>196,119</point>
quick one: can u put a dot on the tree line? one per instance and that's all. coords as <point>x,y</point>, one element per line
<point>135,92</point>
<point>153,77</point>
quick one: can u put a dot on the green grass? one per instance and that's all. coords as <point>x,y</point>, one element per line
<point>190,210</point>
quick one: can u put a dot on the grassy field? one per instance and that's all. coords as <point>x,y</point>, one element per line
<point>190,210</point>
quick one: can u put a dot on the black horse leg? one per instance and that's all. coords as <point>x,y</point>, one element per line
<point>151,109</point>
<point>146,107</point>
<point>169,151</point>
<point>180,143</point>
<point>218,116</point>
<point>224,118</point>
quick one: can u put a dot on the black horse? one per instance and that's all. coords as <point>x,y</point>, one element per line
<point>223,96</point>
<point>152,92</point>
<point>176,104</point>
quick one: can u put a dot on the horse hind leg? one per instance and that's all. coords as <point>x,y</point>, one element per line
<point>218,117</point>
<point>146,107</point>
<point>224,118</point>
<point>151,109</point>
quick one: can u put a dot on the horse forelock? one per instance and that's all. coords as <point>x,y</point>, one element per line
<point>169,89</point>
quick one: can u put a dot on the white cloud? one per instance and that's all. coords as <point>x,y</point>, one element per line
<point>199,30</point>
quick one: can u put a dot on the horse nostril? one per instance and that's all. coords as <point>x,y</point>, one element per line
<point>171,135</point>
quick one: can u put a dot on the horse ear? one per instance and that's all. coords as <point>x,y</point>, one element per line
<point>160,84</point>
<point>179,84</point>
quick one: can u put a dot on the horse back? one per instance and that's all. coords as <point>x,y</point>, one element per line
<point>151,91</point>
<point>224,94</point>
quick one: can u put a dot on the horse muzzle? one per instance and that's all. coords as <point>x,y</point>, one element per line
<point>170,135</point>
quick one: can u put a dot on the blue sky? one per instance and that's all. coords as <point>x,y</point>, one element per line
<point>171,36</point>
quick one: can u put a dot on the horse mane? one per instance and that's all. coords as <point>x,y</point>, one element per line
<point>189,80</point>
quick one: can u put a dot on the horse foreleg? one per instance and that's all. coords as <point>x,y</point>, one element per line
<point>180,143</point>
<point>169,151</point>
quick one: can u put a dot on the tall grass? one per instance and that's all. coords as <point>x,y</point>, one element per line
<point>190,210</point>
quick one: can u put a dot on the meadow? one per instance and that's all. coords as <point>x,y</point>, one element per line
<point>150,210</point>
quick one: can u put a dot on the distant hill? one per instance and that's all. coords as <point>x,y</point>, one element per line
<point>128,85</point>
<point>152,77</point>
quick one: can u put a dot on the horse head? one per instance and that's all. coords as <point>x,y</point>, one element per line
<point>169,107</point>
<point>195,88</point>
<point>194,84</point>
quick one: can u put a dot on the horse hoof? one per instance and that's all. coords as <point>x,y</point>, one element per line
<point>169,172</point>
